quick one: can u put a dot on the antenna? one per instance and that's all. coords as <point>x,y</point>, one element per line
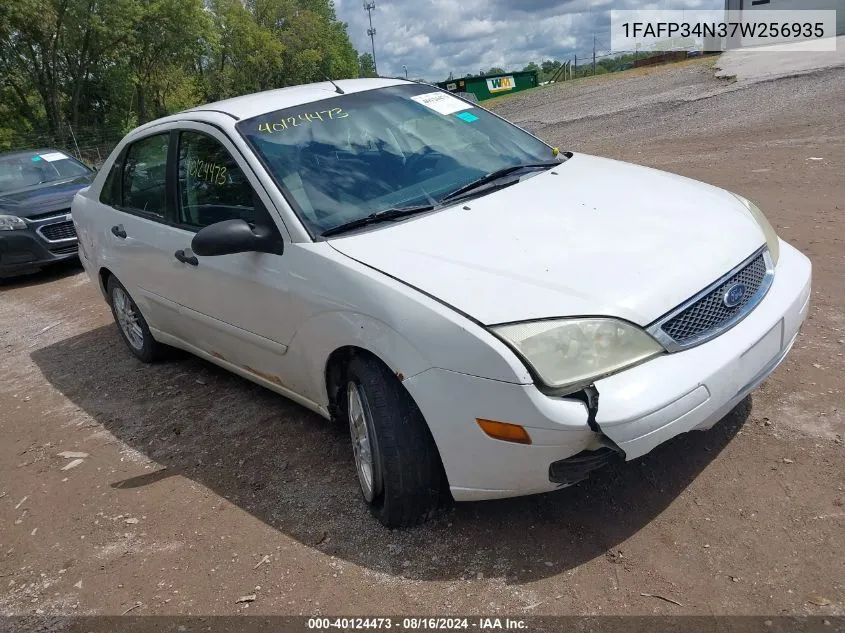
<point>369,7</point>
<point>336,87</point>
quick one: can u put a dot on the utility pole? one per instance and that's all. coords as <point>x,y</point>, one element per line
<point>576,67</point>
<point>369,7</point>
<point>594,55</point>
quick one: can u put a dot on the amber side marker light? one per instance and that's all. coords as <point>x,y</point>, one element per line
<point>504,431</point>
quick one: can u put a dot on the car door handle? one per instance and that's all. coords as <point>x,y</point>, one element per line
<point>119,231</point>
<point>186,259</point>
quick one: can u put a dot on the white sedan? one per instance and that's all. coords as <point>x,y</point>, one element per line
<point>491,317</point>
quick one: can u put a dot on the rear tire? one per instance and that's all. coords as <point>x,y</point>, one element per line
<point>403,481</point>
<point>131,324</point>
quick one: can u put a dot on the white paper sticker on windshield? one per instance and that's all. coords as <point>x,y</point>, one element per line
<point>53,156</point>
<point>442,102</point>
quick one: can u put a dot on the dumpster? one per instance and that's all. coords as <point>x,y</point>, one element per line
<point>491,86</point>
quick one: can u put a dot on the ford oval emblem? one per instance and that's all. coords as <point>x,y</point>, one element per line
<point>734,295</point>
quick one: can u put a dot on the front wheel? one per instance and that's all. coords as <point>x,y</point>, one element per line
<point>399,468</point>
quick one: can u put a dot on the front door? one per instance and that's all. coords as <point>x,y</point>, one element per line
<point>237,307</point>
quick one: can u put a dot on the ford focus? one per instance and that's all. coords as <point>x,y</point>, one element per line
<point>491,317</point>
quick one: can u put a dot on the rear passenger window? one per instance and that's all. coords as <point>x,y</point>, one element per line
<point>212,187</point>
<point>110,192</point>
<point>144,175</point>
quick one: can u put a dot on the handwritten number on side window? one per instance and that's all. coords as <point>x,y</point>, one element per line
<point>211,173</point>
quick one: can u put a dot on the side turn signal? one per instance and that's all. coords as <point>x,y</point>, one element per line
<point>505,431</point>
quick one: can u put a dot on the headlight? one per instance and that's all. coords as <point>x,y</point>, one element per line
<point>569,354</point>
<point>772,240</point>
<point>11,222</point>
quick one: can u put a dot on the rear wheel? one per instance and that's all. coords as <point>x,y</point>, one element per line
<point>131,324</point>
<point>397,462</point>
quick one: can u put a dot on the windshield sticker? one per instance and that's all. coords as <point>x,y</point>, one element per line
<point>35,159</point>
<point>209,172</point>
<point>442,102</point>
<point>52,156</point>
<point>303,119</point>
<point>469,117</point>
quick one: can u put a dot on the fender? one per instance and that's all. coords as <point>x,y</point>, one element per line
<point>320,336</point>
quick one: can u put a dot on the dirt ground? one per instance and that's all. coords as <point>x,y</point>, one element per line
<point>199,487</point>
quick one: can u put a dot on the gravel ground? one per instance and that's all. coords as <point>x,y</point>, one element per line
<point>197,487</point>
<point>761,64</point>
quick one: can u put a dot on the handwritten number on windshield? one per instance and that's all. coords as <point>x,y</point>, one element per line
<point>302,119</point>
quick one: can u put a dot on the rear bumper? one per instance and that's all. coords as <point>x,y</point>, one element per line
<point>25,251</point>
<point>638,409</point>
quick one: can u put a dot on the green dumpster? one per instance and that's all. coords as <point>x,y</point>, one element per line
<point>493,85</point>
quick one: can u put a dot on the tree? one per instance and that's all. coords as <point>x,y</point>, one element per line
<point>366,66</point>
<point>532,67</point>
<point>169,34</point>
<point>245,56</point>
<point>265,44</point>
<point>495,71</point>
<point>549,66</point>
<point>93,69</point>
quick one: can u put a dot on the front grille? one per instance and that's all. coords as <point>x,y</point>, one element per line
<point>58,231</point>
<point>48,214</point>
<point>65,249</point>
<point>577,468</point>
<point>709,314</point>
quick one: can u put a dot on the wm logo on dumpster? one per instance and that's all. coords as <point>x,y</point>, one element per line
<point>500,84</point>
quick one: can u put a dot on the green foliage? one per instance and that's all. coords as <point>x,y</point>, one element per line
<point>549,66</point>
<point>366,66</point>
<point>93,69</point>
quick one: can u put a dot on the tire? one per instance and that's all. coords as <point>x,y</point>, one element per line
<point>407,480</point>
<point>128,318</point>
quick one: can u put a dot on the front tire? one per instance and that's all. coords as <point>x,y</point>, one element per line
<point>398,465</point>
<point>131,324</point>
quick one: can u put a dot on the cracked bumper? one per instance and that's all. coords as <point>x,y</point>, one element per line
<point>638,409</point>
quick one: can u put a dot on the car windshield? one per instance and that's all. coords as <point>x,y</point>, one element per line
<point>21,171</point>
<point>350,156</point>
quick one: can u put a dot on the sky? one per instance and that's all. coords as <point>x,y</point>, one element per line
<point>434,38</point>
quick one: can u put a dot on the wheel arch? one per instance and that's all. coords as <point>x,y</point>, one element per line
<point>103,276</point>
<point>335,375</point>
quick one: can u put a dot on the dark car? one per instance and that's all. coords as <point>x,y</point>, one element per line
<point>36,189</point>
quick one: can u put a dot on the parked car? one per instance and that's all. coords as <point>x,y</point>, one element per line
<point>36,189</point>
<point>490,317</point>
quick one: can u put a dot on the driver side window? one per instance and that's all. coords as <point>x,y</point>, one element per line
<point>212,187</point>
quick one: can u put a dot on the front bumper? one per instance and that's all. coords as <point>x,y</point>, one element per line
<point>44,241</point>
<point>638,409</point>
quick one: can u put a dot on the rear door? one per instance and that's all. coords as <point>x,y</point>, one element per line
<point>128,226</point>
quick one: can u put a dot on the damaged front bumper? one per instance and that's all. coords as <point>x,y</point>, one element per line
<point>637,409</point>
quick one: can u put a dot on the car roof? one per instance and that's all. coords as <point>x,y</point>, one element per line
<point>26,153</point>
<point>248,106</point>
<point>252,105</point>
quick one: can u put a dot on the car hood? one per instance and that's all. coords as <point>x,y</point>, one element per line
<point>47,197</point>
<point>601,237</point>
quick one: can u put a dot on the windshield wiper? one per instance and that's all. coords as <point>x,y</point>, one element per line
<point>378,216</point>
<point>495,175</point>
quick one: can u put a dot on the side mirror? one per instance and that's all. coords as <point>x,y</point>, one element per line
<point>235,236</point>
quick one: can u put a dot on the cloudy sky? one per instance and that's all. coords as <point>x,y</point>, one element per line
<point>436,37</point>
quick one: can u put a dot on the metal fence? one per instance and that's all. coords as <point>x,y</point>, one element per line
<point>91,145</point>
